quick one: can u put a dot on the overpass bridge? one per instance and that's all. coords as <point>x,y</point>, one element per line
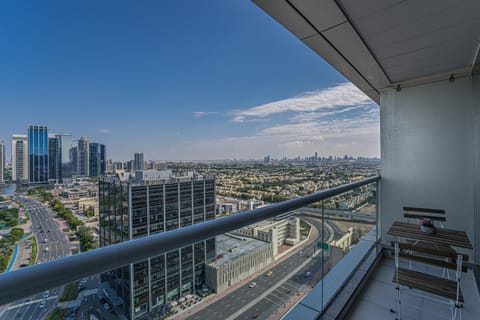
<point>337,215</point>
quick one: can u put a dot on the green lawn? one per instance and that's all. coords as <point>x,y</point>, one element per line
<point>70,292</point>
<point>33,255</point>
<point>56,314</point>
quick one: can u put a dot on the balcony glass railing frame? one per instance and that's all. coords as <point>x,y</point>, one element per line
<point>37,278</point>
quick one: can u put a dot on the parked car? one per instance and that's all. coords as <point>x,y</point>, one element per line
<point>269,273</point>
<point>252,285</point>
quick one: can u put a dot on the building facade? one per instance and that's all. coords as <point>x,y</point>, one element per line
<point>285,231</point>
<point>37,154</point>
<point>19,158</point>
<point>138,161</point>
<point>54,159</point>
<point>83,156</point>
<point>2,162</point>
<point>66,162</point>
<point>97,160</point>
<point>130,210</point>
<point>237,259</point>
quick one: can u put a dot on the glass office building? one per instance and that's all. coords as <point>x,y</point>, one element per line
<point>83,157</point>
<point>2,162</point>
<point>138,161</point>
<point>130,210</point>
<point>66,164</point>
<point>54,158</point>
<point>97,160</point>
<point>38,154</point>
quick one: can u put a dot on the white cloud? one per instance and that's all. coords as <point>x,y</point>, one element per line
<point>241,119</point>
<point>334,121</point>
<point>105,130</point>
<point>359,136</point>
<point>345,94</point>
<point>203,113</point>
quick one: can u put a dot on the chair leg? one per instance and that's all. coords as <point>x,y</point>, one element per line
<point>397,304</point>
<point>456,309</point>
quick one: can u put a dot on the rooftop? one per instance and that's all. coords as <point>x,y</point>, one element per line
<point>240,245</point>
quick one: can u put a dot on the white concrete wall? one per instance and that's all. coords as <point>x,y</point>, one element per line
<point>476,99</point>
<point>429,148</point>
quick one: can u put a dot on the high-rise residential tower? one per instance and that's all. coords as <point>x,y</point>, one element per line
<point>138,161</point>
<point>97,159</point>
<point>2,162</point>
<point>83,157</point>
<point>155,204</point>
<point>19,158</point>
<point>37,154</point>
<point>54,159</point>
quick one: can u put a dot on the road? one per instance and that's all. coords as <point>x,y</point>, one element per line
<point>48,235</point>
<point>339,214</point>
<point>233,302</point>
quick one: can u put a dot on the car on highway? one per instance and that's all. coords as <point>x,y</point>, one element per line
<point>252,285</point>
<point>42,304</point>
<point>269,273</point>
<point>46,294</point>
<point>107,306</point>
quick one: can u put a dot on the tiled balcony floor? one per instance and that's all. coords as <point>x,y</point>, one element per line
<point>377,297</point>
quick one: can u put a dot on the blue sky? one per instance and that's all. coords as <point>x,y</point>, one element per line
<point>176,80</point>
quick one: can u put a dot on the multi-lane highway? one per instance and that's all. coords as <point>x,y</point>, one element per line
<point>233,302</point>
<point>338,214</point>
<point>52,244</point>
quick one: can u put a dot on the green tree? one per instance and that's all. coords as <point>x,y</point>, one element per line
<point>87,240</point>
<point>15,235</point>
<point>90,212</point>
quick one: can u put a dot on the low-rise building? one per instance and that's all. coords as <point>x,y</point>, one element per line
<point>237,258</point>
<point>85,203</point>
<point>279,232</point>
<point>227,208</point>
<point>74,193</point>
<point>5,204</point>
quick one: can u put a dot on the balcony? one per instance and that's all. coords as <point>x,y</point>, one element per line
<point>307,263</point>
<point>352,281</point>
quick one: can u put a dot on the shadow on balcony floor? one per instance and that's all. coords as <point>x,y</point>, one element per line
<point>377,297</point>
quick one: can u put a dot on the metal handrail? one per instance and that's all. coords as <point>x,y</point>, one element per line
<point>37,278</point>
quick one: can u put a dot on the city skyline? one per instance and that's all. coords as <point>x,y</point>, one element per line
<point>240,91</point>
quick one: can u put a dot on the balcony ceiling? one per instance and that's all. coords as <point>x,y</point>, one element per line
<point>381,43</point>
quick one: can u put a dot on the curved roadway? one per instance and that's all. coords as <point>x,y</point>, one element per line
<point>48,235</point>
<point>232,303</point>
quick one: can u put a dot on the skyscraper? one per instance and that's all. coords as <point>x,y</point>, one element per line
<point>74,155</point>
<point>138,160</point>
<point>130,210</point>
<point>38,154</point>
<point>54,159</point>
<point>66,166</point>
<point>83,157</point>
<point>19,158</point>
<point>97,159</point>
<point>2,162</point>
